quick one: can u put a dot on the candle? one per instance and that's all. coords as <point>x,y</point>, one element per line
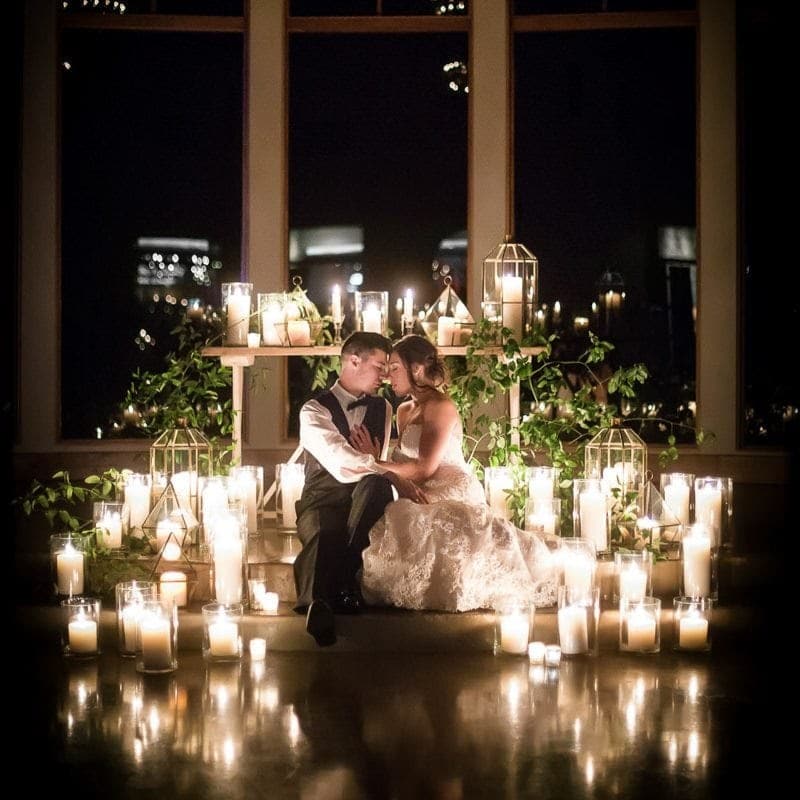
<point>82,635</point>
<point>578,572</point>
<point>298,332</point>
<point>499,484</point>
<point>371,319</point>
<point>542,522</point>
<point>573,632</point>
<point>223,637</point>
<point>512,304</point>
<point>258,649</point>
<point>540,489</point>
<point>69,570</point>
<point>169,537</point>
<point>156,640</point>
<point>676,496</point>
<point>593,518</point>
<point>253,339</point>
<point>238,314</point>
<point>536,652</point>
<point>693,632</point>
<point>228,564</point>
<point>697,562</point>
<point>272,325</point>
<point>269,602</point>
<point>131,615</point>
<point>137,498</point>
<point>292,482</point>
<point>110,529</point>
<point>183,483</point>
<point>632,584</point>
<point>247,484</point>
<point>408,306</point>
<point>708,507</point>
<point>514,633</point>
<point>214,499</point>
<point>445,328</point>
<point>336,306</point>
<point>552,655</point>
<point>641,630</point>
<point>173,588</point>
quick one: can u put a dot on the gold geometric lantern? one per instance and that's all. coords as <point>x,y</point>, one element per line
<point>448,321</point>
<point>182,456</point>
<point>618,457</point>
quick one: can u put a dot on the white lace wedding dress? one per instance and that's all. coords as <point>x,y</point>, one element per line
<point>452,554</point>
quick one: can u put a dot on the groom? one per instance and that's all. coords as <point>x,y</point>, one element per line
<point>345,491</point>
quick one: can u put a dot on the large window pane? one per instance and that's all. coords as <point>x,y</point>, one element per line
<point>152,150</point>
<point>377,146</point>
<point>605,195</point>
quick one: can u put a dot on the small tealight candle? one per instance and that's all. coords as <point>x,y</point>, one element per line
<point>269,602</point>
<point>253,339</point>
<point>258,649</point>
<point>173,587</point>
<point>223,636</point>
<point>552,655</point>
<point>536,652</point>
<point>83,635</point>
<point>693,632</point>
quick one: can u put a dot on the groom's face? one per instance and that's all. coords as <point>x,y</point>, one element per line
<point>370,371</point>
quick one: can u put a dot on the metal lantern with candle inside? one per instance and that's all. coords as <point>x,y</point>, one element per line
<point>510,288</point>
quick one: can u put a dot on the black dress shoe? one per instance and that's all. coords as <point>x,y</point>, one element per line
<point>348,603</point>
<point>321,624</point>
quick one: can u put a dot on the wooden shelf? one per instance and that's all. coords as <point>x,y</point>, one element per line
<point>334,350</point>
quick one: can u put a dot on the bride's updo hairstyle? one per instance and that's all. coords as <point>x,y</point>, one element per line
<point>414,349</point>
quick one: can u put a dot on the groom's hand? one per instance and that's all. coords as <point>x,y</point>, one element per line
<point>408,489</point>
<point>364,443</point>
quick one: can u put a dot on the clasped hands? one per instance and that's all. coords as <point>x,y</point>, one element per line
<point>361,440</point>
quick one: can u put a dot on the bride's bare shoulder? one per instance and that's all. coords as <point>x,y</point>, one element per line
<point>442,407</point>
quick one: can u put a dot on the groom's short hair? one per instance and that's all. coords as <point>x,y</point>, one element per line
<point>362,342</point>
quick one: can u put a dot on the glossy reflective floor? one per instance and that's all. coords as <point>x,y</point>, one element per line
<point>318,725</point>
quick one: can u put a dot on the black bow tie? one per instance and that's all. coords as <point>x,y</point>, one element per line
<point>362,401</point>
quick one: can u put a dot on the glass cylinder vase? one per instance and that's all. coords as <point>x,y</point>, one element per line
<point>513,627</point>
<point>700,563</point>
<point>640,626</point>
<point>590,512</point>
<point>80,637</point>
<point>633,576</point>
<point>236,302</point>
<point>158,638</point>
<point>677,489</point>
<point>130,599</point>
<point>692,623</point>
<point>137,499</point>
<point>110,523</point>
<point>578,617</point>
<point>228,548</point>
<point>289,482</point>
<point>270,317</point>
<point>372,312</point>
<point>67,565</point>
<point>222,639</point>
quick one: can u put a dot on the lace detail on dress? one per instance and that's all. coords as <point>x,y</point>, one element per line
<point>452,554</point>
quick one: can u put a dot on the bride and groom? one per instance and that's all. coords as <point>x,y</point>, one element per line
<point>438,546</point>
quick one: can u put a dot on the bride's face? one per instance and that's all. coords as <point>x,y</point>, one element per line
<point>398,376</point>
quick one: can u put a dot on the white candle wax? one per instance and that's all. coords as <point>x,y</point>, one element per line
<point>512,304</point>
<point>223,637</point>
<point>69,571</point>
<point>258,649</point>
<point>272,326</point>
<point>253,339</point>
<point>578,572</point>
<point>173,588</point>
<point>228,561</point>
<point>408,306</point>
<point>110,527</point>
<point>676,496</point>
<point>708,508</point>
<point>542,522</point>
<point>697,562</point>
<point>514,633</point>
<point>130,626</point>
<point>214,499</point>
<point>336,305</point>
<point>540,489</point>
<point>83,635</point>
<point>445,328</point>
<point>632,583</point>
<point>641,630</point>
<point>609,481</point>
<point>238,314</point>
<point>593,518</point>
<point>292,482</point>
<point>573,632</point>
<point>169,537</point>
<point>269,602</point>
<point>371,319</point>
<point>137,498</point>
<point>248,492</point>
<point>156,642</point>
<point>183,483</point>
<point>536,652</point>
<point>299,333</point>
<point>499,486</point>
<point>693,632</point>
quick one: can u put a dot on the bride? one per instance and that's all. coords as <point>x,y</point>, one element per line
<point>449,553</point>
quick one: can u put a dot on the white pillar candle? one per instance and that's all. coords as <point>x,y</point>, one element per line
<point>371,319</point>
<point>514,629</point>
<point>253,339</point>
<point>593,518</point>
<point>247,486</point>
<point>500,483</point>
<point>676,496</point>
<point>214,499</point>
<point>408,306</point>
<point>237,310</point>
<point>697,562</point>
<point>445,327</point>
<point>183,483</point>
<point>269,602</point>
<point>298,332</point>
<point>228,564</point>
<point>223,637</point>
<point>82,635</point>
<point>258,649</point>
<point>69,571</point>
<point>156,640</point>
<point>536,652</point>
<point>578,572</point>
<point>169,537</point>
<point>137,498</point>
<point>130,626</point>
<point>336,306</point>
<point>540,489</point>
<point>632,583</point>
<point>512,304</point>
<point>693,632</point>
<point>173,588</point>
<point>292,482</point>
<point>641,630</point>
<point>573,631</point>
<point>708,508</point>
<point>110,527</point>
<point>542,522</point>
<point>272,326</point>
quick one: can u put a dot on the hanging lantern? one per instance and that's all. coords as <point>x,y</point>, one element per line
<point>302,320</point>
<point>181,457</point>
<point>510,288</point>
<point>618,457</point>
<point>448,321</point>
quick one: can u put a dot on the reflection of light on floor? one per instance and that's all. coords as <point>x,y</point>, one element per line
<point>694,688</point>
<point>70,722</point>
<point>693,750</point>
<point>223,698</point>
<point>228,751</point>
<point>154,721</point>
<point>257,671</point>
<point>638,691</point>
<point>269,698</point>
<point>630,718</point>
<point>673,750</point>
<point>576,726</point>
<point>292,726</point>
<point>589,770</point>
<point>138,749</point>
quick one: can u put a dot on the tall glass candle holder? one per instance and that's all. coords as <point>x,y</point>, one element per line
<point>691,619</point>
<point>228,547</point>
<point>110,523</point>
<point>499,484</point>
<point>543,515</point>
<point>590,512</point>
<point>271,319</point>
<point>289,482</point>
<point>213,499</point>
<point>699,563</point>
<point>246,483</point>
<point>137,499</point>
<point>578,564</point>
<point>372,311</point>
<point>67,564</point>
<point>542,483</point>
<point>513,627</point>
<point>633,576</point>
<point>578,618</point>
<point>677,489</point>
<point>158,638</point>
<point>713,507</point>
<point>130,599</point>
<point>236,302</point>
<point>640,626</point>
<point>80,635</point>
<point>222,638</point>
<point>337,313</point>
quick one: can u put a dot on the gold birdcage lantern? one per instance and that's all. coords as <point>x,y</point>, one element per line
<point>617,456</point>
<point>182,457</point>
<point>448,321</point>
<point>510,288</point>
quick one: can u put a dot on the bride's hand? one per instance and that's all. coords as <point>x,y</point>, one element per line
<point>408,489</point>
<point>363,442</point>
